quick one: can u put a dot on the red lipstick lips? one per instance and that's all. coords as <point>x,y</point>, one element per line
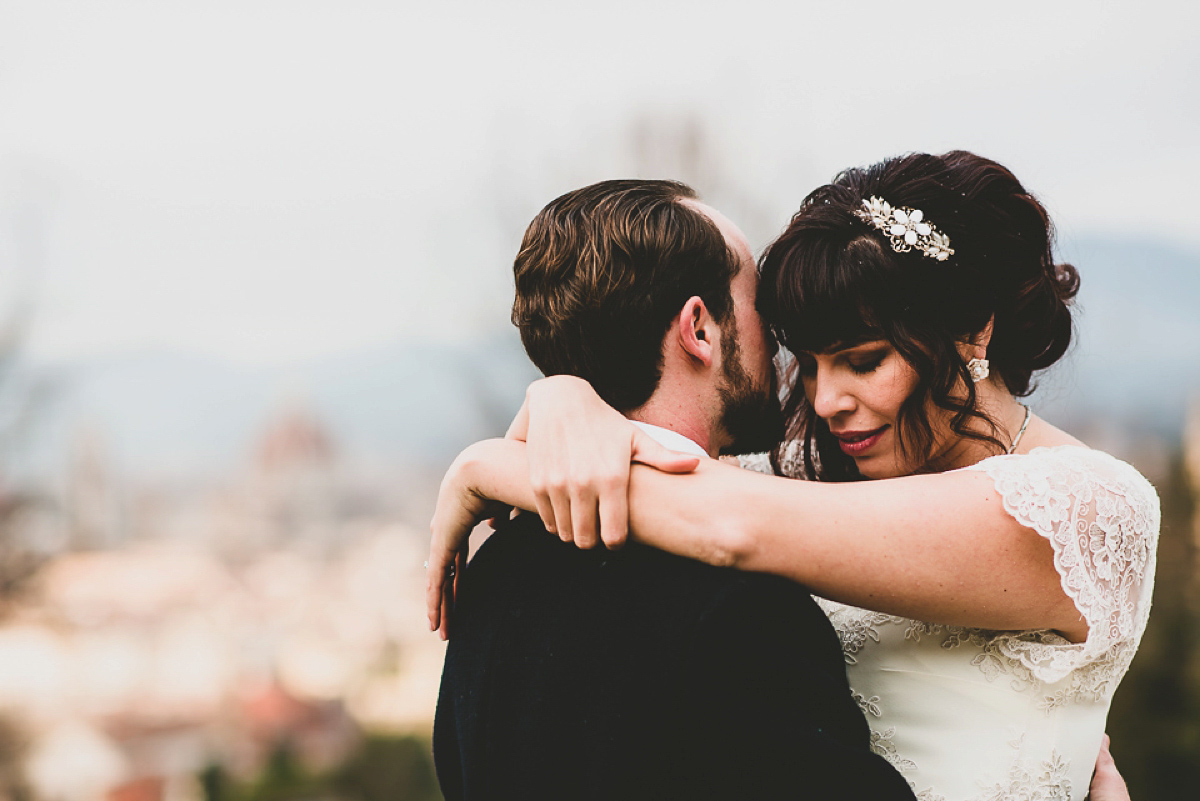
<point>855,443</point>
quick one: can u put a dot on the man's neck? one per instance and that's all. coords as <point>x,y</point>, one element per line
<point>685,423</point>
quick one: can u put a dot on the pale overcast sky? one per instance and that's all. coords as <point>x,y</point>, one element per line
<point>273,181</point>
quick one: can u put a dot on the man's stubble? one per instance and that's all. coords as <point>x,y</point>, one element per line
<point>751,414</point>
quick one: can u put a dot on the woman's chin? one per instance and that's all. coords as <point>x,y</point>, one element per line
<point>876,467</point>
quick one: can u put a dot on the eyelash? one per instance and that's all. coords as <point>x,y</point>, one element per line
<point>807,368</point>
<point>868,366</point>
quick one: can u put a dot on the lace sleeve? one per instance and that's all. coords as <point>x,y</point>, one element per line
<point>1102,519</point>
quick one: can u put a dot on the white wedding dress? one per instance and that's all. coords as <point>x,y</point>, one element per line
<point>974,715</point>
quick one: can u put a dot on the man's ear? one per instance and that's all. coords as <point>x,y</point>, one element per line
<point>695,331</point>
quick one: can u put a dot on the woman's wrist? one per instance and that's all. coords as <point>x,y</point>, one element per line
<point>687,515</point>
<point>493,470</point>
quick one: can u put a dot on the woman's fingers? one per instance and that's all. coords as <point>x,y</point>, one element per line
<point>580,450</point>
<point>443,628</point>
<point>587,502</point>
<point>459,508</point>
<point>560,506</point>
<point>439,568</point>
<point>450,592</point>
<point>583,516</point>
<point>545,511</point>
<point>1107,782</point>
<point>649,452</point>
<point>614,511</point>
<point>441,589</point>
<point>436,570</point>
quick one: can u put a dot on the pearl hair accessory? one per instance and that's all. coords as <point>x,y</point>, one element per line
<point>905,228</point>
<point>979,369</point>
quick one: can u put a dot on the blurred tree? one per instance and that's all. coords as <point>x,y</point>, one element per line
<point>284,778</point>
<point>385,768</point>
<point>216,784</point>
<point>382,768</point>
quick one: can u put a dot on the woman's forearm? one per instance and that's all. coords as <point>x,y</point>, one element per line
<point>483,476</point>
<point>689,514</point>
<point>938,548</point>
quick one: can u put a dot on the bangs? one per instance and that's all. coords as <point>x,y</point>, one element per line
<point>832,297</point>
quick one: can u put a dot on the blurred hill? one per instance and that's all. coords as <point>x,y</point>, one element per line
<point>1137,357</point>
<point>1134,364</point>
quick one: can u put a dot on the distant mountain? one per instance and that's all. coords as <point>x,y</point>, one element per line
<point>176,413</point>
<point>1136,361</point>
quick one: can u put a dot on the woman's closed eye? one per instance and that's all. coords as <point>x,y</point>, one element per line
<point>859,362</point>
<point>870,364</point>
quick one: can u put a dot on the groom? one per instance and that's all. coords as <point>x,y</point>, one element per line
<point>575,674</point>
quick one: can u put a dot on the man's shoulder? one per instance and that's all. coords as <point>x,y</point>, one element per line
<point>522,557</point>
<point>525,538</point>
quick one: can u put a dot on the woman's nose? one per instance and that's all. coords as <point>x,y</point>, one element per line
<point>829,397</point>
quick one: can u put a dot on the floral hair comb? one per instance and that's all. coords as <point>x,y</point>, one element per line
<point>905,228</point>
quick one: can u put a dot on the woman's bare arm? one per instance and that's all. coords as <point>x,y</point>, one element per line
<point>936,547</point>
<point>933,547</point>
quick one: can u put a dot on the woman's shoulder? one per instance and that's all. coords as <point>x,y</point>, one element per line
<point>1071,462</point>
<point>1101,517</point>
<point>1050,484</point>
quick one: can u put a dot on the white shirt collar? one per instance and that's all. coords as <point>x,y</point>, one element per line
<point>671,440</point>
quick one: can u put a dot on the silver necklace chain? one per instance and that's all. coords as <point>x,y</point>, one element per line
<point>1024,424</point>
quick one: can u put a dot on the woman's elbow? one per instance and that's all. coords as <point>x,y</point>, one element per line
<point>730,546</point>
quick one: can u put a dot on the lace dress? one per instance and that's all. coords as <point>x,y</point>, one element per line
<point>973,715</point>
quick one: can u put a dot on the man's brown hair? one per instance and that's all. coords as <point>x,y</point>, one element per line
<point>601,274</point>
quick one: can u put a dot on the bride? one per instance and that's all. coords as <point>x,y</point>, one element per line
<point>992,591</point>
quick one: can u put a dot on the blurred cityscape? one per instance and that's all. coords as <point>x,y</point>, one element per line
<point>174,634</point>
<point>259,634</point>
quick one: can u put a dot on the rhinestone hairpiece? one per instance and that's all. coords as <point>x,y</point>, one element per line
<point>905,228</point>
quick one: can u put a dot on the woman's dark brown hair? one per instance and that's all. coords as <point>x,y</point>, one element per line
<point>832,279</point>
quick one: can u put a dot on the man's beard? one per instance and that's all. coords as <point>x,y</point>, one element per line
<point>751,415</point>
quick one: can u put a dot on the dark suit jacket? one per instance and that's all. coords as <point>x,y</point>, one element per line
<point>636,674</point>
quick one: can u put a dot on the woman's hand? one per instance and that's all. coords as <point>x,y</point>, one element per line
<point>460,507</point>
<point>1107,783</point>
<point>580,451</point>
<point>574,473</point>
